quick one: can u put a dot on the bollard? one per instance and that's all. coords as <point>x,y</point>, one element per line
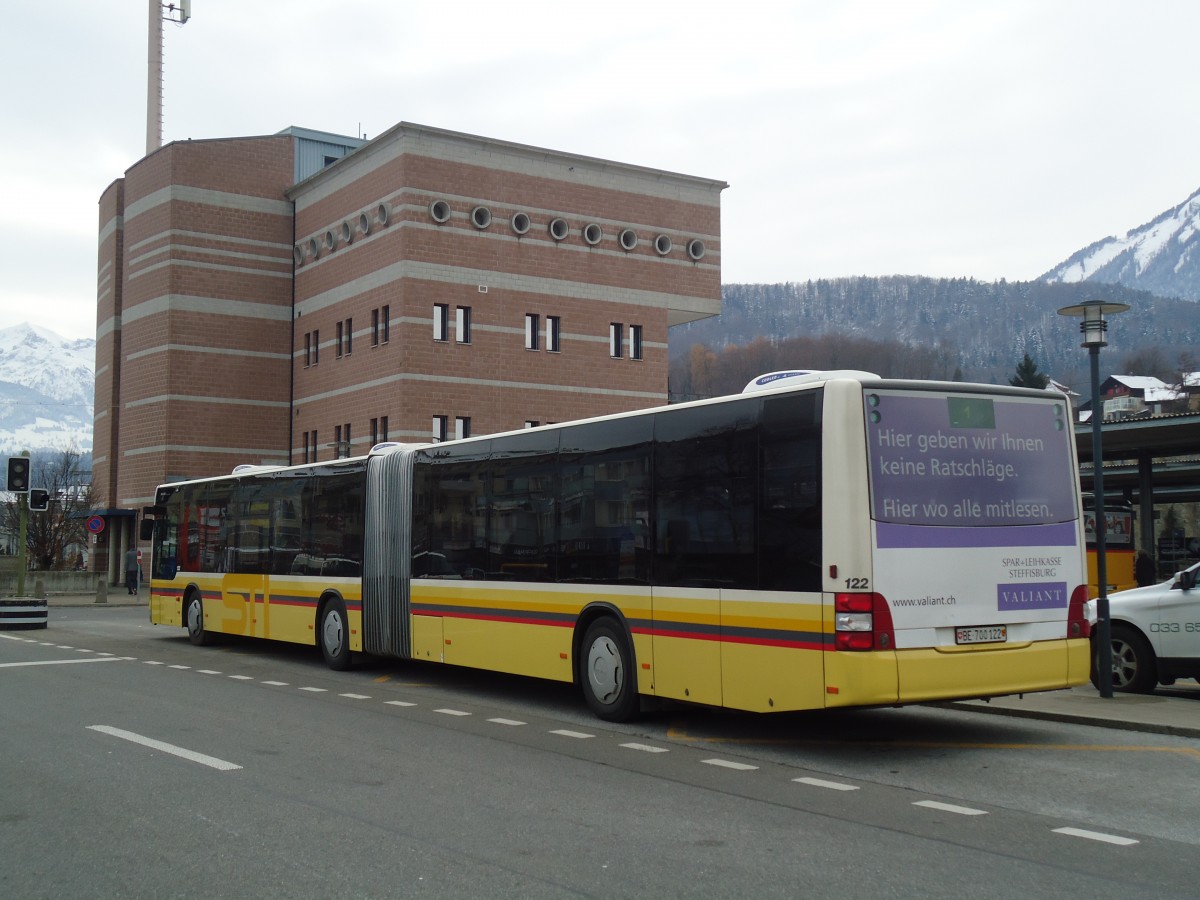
<point>39,588</point>
<point>101,590</point>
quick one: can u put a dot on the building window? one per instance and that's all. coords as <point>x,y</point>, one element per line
<point>337,441</point>
<point>374,432</point>
<point>375,327</point>
<point>531,331</point>
<point>346,440</point>
<point>614,340</point>
<point>462,427</point>
<point>313,446</point>
<point>553,334</point>
<point>316,347</point>
<point>531,423</point>
<point>439,428</point>
<point>379,428</point>
<point>441,321</point>
<point>383,428</point>
<point>635,341</point>
<point>462,324</point>
<point>337,341</point>
<point>349,336</point>
<point>386,315</point>
<point>304,455</point>
<point>307,357</point>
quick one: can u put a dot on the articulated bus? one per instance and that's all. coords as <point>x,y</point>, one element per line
<point>821,540</point>
<point>1118,546</point>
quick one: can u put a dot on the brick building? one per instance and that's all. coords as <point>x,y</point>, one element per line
<point>300,296</point>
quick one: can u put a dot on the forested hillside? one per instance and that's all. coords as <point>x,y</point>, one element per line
<point>910,326</point>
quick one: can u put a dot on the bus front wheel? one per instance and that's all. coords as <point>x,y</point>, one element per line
<point>606,671</point>
<point>335,635</point>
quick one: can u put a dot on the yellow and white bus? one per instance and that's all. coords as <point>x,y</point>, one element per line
<point>821,540</point>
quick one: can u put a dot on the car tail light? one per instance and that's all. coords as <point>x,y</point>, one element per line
<point>862,622</point>
<point>1077,621</point>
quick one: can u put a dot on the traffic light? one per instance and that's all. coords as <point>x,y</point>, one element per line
<point>39,500</point>
<point>18,474</point>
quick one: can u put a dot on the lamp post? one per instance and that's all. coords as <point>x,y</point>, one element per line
<point>1093,327</point>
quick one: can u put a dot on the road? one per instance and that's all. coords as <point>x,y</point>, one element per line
<point>137,765</point>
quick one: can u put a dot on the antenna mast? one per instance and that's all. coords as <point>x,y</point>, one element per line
<point>179,13</point>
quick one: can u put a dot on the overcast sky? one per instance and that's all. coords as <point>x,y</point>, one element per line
<point>958,138</point>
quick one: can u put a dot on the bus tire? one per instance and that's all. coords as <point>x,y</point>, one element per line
<point>1134,667</point>
<point>606,671</point>
<point>193,620</point>
<point>334,635</point>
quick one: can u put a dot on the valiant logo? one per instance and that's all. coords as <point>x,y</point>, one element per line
<point>1047,595</point>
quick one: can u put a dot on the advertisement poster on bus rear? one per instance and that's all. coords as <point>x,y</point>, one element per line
<point>975,506</point>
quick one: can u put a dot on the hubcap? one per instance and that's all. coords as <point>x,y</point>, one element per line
<point>332,633</point>
<point>194,620</point>
<point>1124,663</point>
<point>604,670</point>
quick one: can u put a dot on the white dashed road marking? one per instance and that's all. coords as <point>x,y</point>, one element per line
<point>571,734</point>
<point>452,712</point>
<point>506,722</point>
<point>1096,836</point>
<point>729,764</point>
<point>645,748</point>
<point>828,785</point>
<point>951,808</point>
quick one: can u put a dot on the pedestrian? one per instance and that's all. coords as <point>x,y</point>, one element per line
<point>1143,569</point>
<point>131,570</point>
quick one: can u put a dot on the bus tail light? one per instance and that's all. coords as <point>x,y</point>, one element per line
<point>862,622</point>
<point>1078,625</point>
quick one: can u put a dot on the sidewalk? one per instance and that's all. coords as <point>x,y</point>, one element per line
<point>117,596</point>
<point>1174,710</point>
<point>1171,710</point>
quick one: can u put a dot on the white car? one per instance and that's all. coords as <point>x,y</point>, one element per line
<point>1156,633</point>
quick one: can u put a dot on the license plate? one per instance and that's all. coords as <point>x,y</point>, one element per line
<point>981,634</point>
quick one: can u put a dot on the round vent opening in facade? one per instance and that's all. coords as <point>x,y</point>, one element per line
<point>347,233</point>
<point>695,249</point>
<point>592,234</point>
<point>314,249</point>
<point>364,223</point>
<point>628,239</point>
<point>662,244</point>
<point>520,223</point>
<point>298,254</point>
<point>439,211</point>
<point>558,229</point>
<point>481,217</point>
<point>381,214</point>
<point>330,240</point>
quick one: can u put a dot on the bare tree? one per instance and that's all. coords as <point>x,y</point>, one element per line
<point>59,530</point>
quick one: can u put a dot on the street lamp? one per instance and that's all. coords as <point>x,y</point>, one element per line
<point>1093,328</point>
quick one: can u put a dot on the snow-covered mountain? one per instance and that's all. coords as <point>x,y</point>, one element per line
<point>1161,257</point>
<point>47,390</point>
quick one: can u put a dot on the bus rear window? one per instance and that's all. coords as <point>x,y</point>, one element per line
<point>969,461</point>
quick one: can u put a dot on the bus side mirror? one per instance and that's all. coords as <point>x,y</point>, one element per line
<point>147,530</point>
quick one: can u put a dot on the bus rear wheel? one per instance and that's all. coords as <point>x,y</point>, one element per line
<point>335,635</point>
<point>193,617</point>
<point>606,671</point>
